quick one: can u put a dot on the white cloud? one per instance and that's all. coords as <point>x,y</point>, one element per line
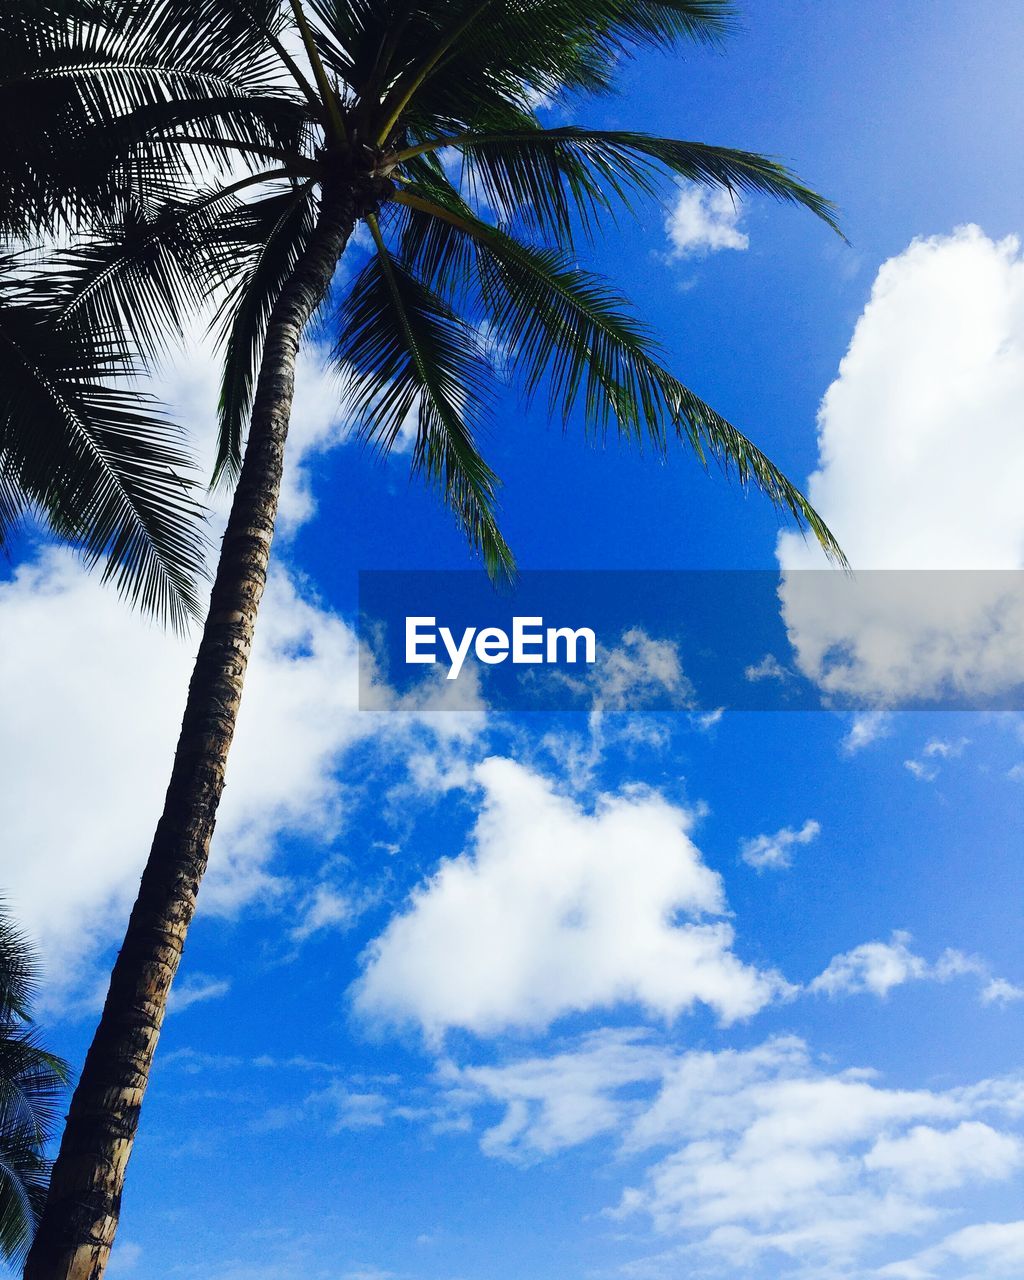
<point>704,221</point>
<point>865,728</point>
<point>195,988</point>
<point>945,749</point>
<point>639,670</point>
<point>638,673</point>
<point>91,696</point>
<point>562,1100</point>
<point>921,771</point>
<point>980,1252</point>
<point>325,908</point>
<point>999,991</point>
<point>769,668</point>
<point>924,769</point>
<point>556,909</point>
<point>775,850</point>
<point>887,639</point>
<point>924,1159</point>
<point>634,676</point>
<point>351,1108</point>
<point>760,1156</point>
<point>778,1158</point>
<point>875,967</point>
<point>927,395</point>
<point>878,967</point>
<point>707,720</point>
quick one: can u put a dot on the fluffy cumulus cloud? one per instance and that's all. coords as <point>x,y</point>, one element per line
<point>765,1159</point>
<point>875,968</point>
<point>704,221</point>
<point>557,908</point>
<point>91,696</point>
<point>926,1159</point>
<point>776,850</point>
<point>927,397</point>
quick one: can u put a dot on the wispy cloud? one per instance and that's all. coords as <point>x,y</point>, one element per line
<point>764,1153</point>
<point>196,988</point>
<point>776,851</point>
<point>925,768</point>
<point>865,728</point>
<point>769,668</point>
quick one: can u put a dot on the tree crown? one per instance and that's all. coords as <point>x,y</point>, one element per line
<point>192,141</point>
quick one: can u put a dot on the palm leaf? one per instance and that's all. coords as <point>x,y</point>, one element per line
<point>147,273</point>
<point>93,457</point>
<point>406,354</point>
<point>455,56</point>
<point>540,176</point>
<point>86,85</point>
<point>33,1084</point>
<point>567,329</point>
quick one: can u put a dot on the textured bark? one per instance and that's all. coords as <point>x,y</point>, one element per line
<point>78,1224</point>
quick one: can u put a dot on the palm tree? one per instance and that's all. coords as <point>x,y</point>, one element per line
<point>231,148</point>
<point>32,1083</point>
<point>82,449</point>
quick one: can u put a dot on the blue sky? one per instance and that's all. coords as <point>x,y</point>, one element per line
<point>604,995</point>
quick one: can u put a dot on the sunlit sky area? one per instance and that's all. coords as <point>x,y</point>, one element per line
<point>565,996</point>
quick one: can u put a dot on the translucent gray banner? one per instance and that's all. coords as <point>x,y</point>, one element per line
<point>694,641</point>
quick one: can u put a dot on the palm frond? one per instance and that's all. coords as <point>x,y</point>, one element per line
<point>539,176</point>
<point>95,458</point>
<point>407,355</point>
<point>19,970</point>
<point>367,42</point>
<point>33,1084</point>
<point>568,330</point>
<point>86,85</point>
<point>454,57</point>
<point>145,274</point>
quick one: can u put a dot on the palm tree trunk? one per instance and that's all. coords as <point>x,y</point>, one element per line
<point>77,1229</point>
